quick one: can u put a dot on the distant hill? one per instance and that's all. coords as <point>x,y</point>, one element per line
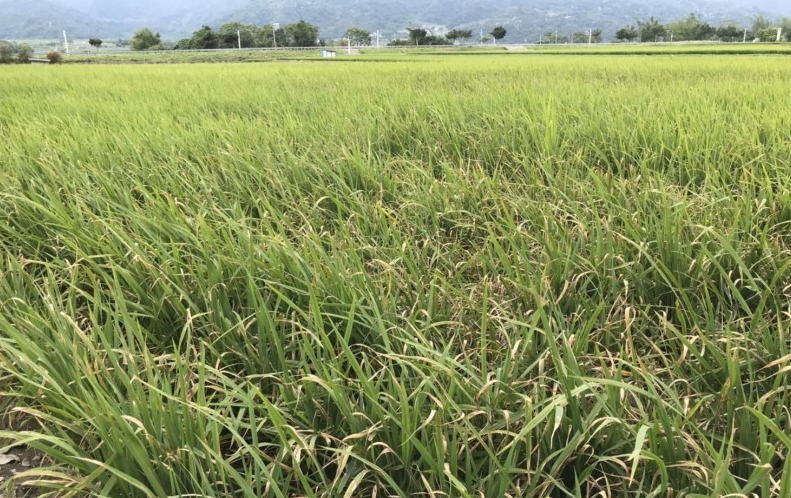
<point>45,19</point>
<point>524,19</point>
<point>172,18</point>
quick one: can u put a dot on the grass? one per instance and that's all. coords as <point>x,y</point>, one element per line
<point>426,53</point>
<point>555,276</point>
<point>183,57</point>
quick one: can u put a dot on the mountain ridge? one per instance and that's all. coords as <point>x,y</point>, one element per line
<point>47,19</point>
<point>525,21</point>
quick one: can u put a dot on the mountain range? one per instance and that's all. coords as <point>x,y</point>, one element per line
<point>525,20</point>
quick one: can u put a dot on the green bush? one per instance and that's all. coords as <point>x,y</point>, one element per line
<point>6,53</point>
<point>24,54</point>
<point>145,39</point>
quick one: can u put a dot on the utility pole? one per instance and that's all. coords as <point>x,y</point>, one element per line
<point>481,37</point>
<point>590,37</point>
<point>377,38</point>
<point>779,35</point>
<point>556,37</point>
<point>745,35</point>
<point>65,42</point>
<point>239,34</point>
<point>275,26</point>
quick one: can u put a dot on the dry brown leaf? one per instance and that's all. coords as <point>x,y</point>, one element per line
<point>6,459</point>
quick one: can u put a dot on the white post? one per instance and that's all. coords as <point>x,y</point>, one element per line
<point>65,42</point>
<point>239,34</point>
<point>745,35</point>
<point>556,37</point>
<point>274,33</point>
<point>350,45</point>
<point>671,37</point>
<point>590,37</point>
<point>481,37</point>
<point>779,35</point>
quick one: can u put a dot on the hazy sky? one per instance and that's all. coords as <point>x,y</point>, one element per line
<point>776,5</point>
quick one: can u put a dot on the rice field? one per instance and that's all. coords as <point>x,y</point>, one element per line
<point>386,54</point>
<point>476,276</point>
<point>690,48</point>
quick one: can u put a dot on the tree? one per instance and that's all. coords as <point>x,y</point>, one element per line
<point>24,54</point>
<point>580,37</point>
<point>554,37</point>
<point>358,36</point>
<point>436,40</point>
<point>651,30</point>
<point>183,44</point>
<point>627,33</point>
<point>458,34</point>
<point>760,23</point>
<point>766,35</point>
<point>417,36</point>
<point>270,36</point>
<point>691,28</point>
<point>730,32</point>
<point>95,43</point>
<point>6,53</point>
<point>230,33</point>
<point>596,36</point>
<point>204,39</point>
<point>301,34</point>
<point>420,37</point>
<point>498,33</point>
<point>144,39</point>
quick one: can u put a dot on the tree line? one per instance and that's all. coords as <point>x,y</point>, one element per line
<point>233,34</point>
<point>591,36</point>
<point>421,37</point>
<point>695,28</point>
<point>11,52</point>
<point>237,34</point>
<point>22,53</point>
